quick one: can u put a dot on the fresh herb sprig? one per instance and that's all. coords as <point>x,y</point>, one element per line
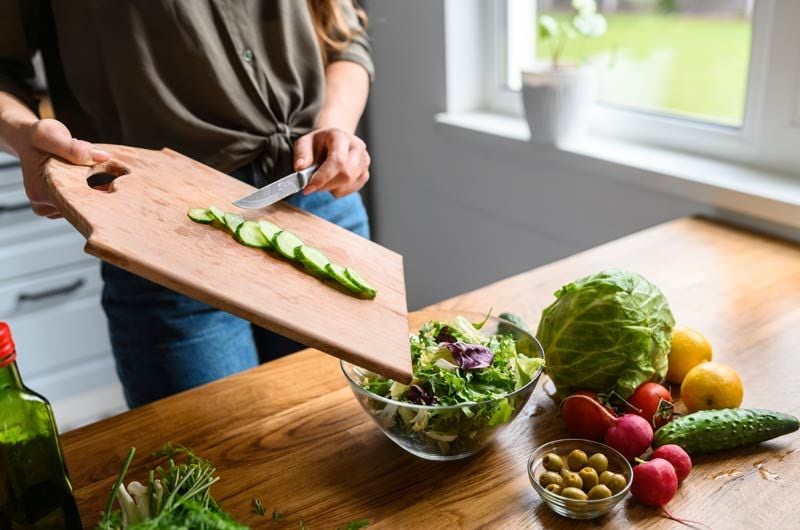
<point>176,495</point>
<point>258,507</point>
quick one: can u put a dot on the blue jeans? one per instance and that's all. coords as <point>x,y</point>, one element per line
<point>165,342</point>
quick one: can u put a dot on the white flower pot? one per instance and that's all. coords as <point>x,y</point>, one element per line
<point>558,103</point>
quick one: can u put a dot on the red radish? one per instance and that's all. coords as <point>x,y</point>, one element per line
<point>585,417</point>
<point>652,402</point>
<point>630,434</point>
<point>654,482</point>
<point>675,455</point>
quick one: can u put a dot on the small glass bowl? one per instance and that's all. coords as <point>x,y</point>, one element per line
<point>468,419</point>
<point>573,508</point>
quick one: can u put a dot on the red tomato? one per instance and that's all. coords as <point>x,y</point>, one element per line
<point>654,403</point>
<point>585,417</point>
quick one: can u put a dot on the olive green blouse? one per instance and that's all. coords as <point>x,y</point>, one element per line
<point>225,82</point>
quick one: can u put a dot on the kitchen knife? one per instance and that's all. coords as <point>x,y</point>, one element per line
<point>281,188</point>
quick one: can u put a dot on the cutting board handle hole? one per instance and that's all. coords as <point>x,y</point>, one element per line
<point>104,174</point>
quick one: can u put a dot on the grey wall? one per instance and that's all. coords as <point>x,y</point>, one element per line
<point>468,211</point>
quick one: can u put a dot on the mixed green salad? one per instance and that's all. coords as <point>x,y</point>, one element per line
<point>467,379</point>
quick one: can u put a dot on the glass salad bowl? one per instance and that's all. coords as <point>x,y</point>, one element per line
<point>575,508</point>
<point>448,432</point>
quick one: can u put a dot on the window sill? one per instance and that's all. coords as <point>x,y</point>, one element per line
<point>761,194</point>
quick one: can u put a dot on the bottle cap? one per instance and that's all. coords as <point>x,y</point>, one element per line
<point>8,351</point>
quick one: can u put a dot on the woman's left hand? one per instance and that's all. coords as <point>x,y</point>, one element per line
<point>344,161</point>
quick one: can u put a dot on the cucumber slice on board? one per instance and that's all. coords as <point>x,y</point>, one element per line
<point>264,234</point>
<point>268,229</point>
<point>232,221</point>
<point>312,258</point>
<point>285,242</point>
<point>201,215</point>
<point>336,272</point>
<point>249,234</point>
<point>218,214</point>
<point>362,284</point>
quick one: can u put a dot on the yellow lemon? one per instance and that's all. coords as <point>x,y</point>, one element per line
<point>711,385</point>
<point>689,348</point>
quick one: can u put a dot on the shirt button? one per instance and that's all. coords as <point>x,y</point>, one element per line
<point>247,55</point>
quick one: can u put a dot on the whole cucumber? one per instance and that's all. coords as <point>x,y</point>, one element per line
<point>514,319</point>
<point>715,430</point>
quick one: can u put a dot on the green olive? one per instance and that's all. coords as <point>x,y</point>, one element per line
<point>550,477</point>
<point>576,460</point>
<point>552,462</point>
<point>574,493</point>
<point>617,483</point>
<point>605,476</point>
<point>599,492</point>
<point>571,479</point>
<point>555,488</point>
<point>588,478</point>
<point>599,462</point>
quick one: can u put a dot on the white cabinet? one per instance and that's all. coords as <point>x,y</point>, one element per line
<point>50,296</point>
<point>9,170</point>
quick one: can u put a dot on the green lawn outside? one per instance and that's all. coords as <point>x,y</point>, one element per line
<point>690,66</point>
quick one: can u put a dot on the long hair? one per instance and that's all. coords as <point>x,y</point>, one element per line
<point>331,26</point>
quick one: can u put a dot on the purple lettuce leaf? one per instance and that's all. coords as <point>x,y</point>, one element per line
<point>470,356</point>
<point>420,396</point>
<point>445,336</point>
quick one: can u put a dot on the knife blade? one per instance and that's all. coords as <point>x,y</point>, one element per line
<point>275,191</point>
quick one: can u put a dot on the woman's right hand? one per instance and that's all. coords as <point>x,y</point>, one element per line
<point>35,144</point>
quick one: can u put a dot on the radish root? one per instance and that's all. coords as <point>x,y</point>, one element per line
<point>687,522</point>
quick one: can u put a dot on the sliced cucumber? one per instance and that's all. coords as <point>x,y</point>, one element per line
<point>268,229</point>
<point>232,221</point>
<point>362,284</point>
<point>201,215</point>
<point>285,242</point>
<point>312,258</point>
<point>264,234</point>
<point>250,235</point>
<point>218,214</point>
<point>336,272</point>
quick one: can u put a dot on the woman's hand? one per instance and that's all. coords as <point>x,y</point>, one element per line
<point>344,161</point>
<point>35,144</point>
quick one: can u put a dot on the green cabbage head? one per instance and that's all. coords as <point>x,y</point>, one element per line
<point>608,331</point>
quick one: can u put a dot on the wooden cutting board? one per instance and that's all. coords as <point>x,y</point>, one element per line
<point>138,222</point>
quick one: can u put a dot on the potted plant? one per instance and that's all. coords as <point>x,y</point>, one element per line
<point>558,97</point>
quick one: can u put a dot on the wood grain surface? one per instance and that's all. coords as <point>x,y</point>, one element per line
<point>141,225</point>
<point>291,434</point>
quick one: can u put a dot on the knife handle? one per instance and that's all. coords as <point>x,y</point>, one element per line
<point>305,174</point>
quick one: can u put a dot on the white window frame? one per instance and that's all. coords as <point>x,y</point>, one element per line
<point>768,137</point>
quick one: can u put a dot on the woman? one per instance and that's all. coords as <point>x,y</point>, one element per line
<point>253,88</point>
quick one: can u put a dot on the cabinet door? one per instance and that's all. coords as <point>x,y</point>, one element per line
<point>61,335</point>
<point>10,172</point>
<point>14,207</point>
<point>44,291</point>
<point>63,332</point>
<point>84,393</point>
<point>35,247</point>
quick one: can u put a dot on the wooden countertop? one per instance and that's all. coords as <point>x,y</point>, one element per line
<point>290,433</point>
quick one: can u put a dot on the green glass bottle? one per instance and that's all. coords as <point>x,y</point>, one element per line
<point>35,492</point>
